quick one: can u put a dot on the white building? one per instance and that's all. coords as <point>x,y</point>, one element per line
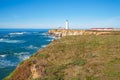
<point>67,24</point>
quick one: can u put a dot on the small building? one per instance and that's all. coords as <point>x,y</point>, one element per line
<point>103,29</point>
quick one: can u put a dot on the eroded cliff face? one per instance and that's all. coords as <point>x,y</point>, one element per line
<point>30,69</point>
<point>64,32</point>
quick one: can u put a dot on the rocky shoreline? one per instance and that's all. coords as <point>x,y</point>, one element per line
<point>64,32</point>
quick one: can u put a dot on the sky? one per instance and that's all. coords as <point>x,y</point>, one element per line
<point>45,14</point>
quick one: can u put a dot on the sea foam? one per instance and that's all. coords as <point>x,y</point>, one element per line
<point>43,46</point>
<point>18,33</point>
<point>22,55</point>
<point>32,47</point>
<point>11,41</point>
<point>3,55</point>
<point>14,34</point>
<point>6,63</point>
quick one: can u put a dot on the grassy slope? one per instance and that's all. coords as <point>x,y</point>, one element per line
<point>75,58</point>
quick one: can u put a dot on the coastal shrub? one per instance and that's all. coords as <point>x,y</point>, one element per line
<point>112,67</point>
<point>79,62</point>
<point>75,79</point>
<point>55,69</point>
<point>21,62</point>
<point>43,55</point>
<point>54,77</point>
<point>34,54</point>
<point>55,73</point>
<point>92,78</point>
<point>112,73</point>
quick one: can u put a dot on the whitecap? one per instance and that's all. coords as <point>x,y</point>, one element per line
<point>1,39</point>
<point>53,37</point>
<point>14,34</point>
<point>11,41</point>
<point>6,63</point>
<point>43,46</point>
<point>22,55</point>
<point>3,55</point>
<point>32,47</point>
<point>41,34</point>
<point>44,34</point>
<point>50,40</point>
<point>18,33</point>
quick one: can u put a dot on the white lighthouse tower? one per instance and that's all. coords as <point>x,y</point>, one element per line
<point>67,24</point>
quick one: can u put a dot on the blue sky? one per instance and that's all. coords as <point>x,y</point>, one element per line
<point>53,13</point>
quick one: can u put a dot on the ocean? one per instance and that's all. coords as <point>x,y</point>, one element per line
<point>17,45</point>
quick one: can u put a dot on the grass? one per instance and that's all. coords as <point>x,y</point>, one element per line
<point>113,69</point>
<point>43,55</point>
<point>87,57</point>
<point>78,62</point>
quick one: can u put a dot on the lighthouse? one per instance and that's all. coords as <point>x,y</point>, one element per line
<point>67,24</point>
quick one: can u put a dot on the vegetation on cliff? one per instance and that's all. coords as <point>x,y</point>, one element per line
<point>85,57</point>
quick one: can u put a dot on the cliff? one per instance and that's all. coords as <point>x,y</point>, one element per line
<point>64,32</point>
<point>85,57</point>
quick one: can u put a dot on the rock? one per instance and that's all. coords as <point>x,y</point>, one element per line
<point>64,32</point>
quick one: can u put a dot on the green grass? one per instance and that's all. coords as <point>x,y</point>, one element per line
<point>43,55</point>
<point>75,79</point>
<point>92,78</point>
<point>79,61</point>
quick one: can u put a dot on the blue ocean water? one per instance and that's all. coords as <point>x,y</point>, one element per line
<point>17,45</point>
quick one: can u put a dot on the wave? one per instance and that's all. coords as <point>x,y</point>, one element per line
<point>32,47</point>
<point>14,34</point>
<point>44,34</point>
<point>38,33</point>
<point>3,55</point>
<point>11,41</point>
<point>43,46</point>
<point>50,40</point>
<point>50,36</point>
<point>6,63</point>
<point>17,33</point>
<point>22,55</point>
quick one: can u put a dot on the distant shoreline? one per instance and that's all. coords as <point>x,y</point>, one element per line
<point>69,32</point>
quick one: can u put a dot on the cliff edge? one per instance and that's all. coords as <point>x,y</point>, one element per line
<point>69,32</point>
<point>85,57</point>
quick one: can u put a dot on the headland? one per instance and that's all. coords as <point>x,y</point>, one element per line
<point>77,55</point>
<point>69,32</point>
